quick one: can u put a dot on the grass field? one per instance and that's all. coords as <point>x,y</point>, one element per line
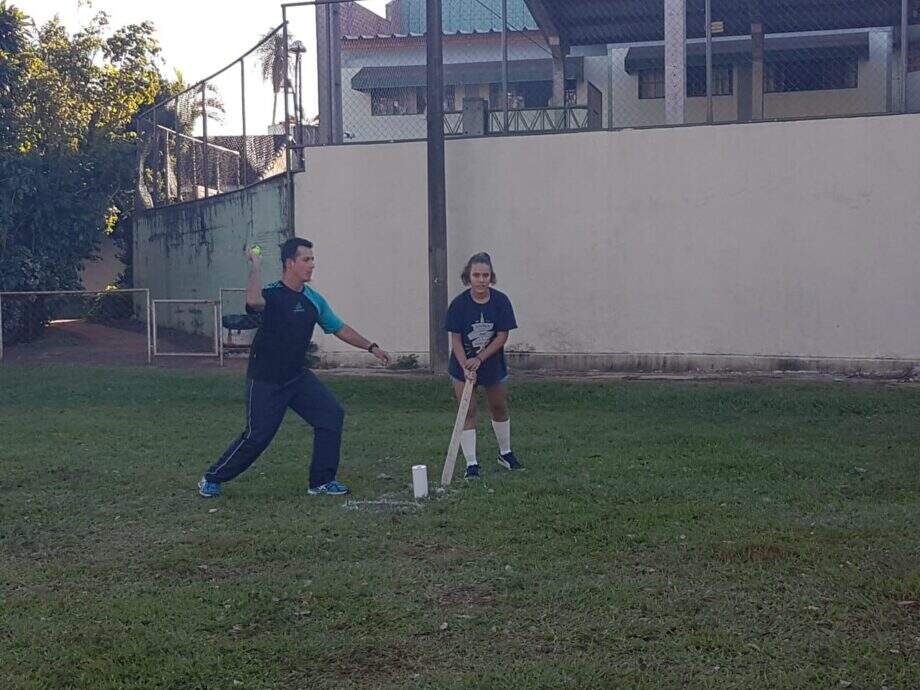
<point>664,535</point>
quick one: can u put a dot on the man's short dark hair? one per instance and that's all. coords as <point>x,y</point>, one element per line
<point>289,249</point>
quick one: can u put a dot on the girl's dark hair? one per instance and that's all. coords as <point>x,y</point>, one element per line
<point>480,258</point>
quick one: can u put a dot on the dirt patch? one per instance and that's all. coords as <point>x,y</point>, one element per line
<point>754,553</point>
<point>383,505</point>
<point>467,596</point>
<point>124,343</point>
<point>366,664</point>
<point>435,553</point>
<point>121,343</point>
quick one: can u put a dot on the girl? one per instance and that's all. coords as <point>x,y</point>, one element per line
<point>478,321</point>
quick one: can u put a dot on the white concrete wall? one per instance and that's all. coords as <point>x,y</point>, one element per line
<point>794,239</point>
<point>369,229</point>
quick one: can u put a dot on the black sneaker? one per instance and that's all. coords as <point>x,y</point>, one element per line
<point>472,472</point>
<point>508,461</point>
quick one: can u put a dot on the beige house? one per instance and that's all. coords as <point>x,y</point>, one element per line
<point>384,94</point>
<point>828,73</point>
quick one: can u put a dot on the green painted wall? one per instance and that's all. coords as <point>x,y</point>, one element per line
<point>191,250</point>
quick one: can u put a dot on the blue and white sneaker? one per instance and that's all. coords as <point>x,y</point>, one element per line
<point>208,489</point>
<point>332,488</point>
<point>472,472</point>
<point>509,462</point>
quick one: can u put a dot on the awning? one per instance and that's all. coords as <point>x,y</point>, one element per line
<point>776,49</point>
<point>456,74</point>
<point>602,22</point>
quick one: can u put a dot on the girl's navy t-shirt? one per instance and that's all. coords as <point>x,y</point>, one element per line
<point>478,325</point>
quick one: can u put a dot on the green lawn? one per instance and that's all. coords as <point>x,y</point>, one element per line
<point>664,535</point>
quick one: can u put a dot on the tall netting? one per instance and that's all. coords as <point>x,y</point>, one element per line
<point>758,61</point>
<point>356,72</point>
<point>221,134</point>
<point>518,67</point>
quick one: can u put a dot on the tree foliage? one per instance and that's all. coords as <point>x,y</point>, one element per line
<point>67,148</point>
<point>274,65</point>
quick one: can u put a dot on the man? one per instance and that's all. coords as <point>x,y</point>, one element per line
<point>276,378</point>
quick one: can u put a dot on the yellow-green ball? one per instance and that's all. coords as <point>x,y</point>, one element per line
<point>256,250</point>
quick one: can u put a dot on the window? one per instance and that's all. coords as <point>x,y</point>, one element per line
<point>535,94</point>
<point>722,82</point>
<point>516,96</point>
<point>571,92</point>
<point>406,101</point>
<point>913,58</point>
<point>815,75</point>
<point>651,82</point>
<point>421,101</point>
<point>495,97</point>
<point>531,94</point>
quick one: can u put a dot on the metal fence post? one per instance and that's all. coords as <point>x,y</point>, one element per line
<point>610,88</point>
<point>153,320</point>
<point>287,71</point>
<point>244,159</point>
<point>287,134</point>
<point>178,147</point>
<point>166,165</point>
<point>218,335</point>
<point>905,45</point>
<point>505,66</point>
<point>709,113</point>
<point>204,134</point>
<point>149,329</point>
<point>155,149</point>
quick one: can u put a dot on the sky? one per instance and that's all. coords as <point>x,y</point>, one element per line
<point>199,37</point>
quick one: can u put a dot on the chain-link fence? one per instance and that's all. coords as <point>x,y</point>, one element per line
<point>222,134</point>
<point>535,66</point>
<point>372,83</point>
<point>342,72</point>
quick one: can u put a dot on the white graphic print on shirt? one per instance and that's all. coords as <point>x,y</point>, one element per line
<point>481,334</point>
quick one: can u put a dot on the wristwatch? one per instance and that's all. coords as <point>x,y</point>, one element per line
<point>370,348</point>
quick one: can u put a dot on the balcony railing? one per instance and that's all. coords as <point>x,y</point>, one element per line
<point>525,120</point>
<point>453,123</point>
<point>567,119</point>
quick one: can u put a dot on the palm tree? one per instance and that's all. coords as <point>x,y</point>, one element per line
<point>272,56</point>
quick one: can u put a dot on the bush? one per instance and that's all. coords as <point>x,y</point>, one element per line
<point>405,362</point>
<point>112,306</point>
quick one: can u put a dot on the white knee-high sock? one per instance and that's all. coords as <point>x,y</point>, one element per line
<point>503,435</point>
<point>468,443</point>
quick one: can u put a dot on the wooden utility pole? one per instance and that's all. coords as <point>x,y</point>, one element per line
<point>437,194</point>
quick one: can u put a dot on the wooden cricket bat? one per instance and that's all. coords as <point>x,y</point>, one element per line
<point>448,473</point>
